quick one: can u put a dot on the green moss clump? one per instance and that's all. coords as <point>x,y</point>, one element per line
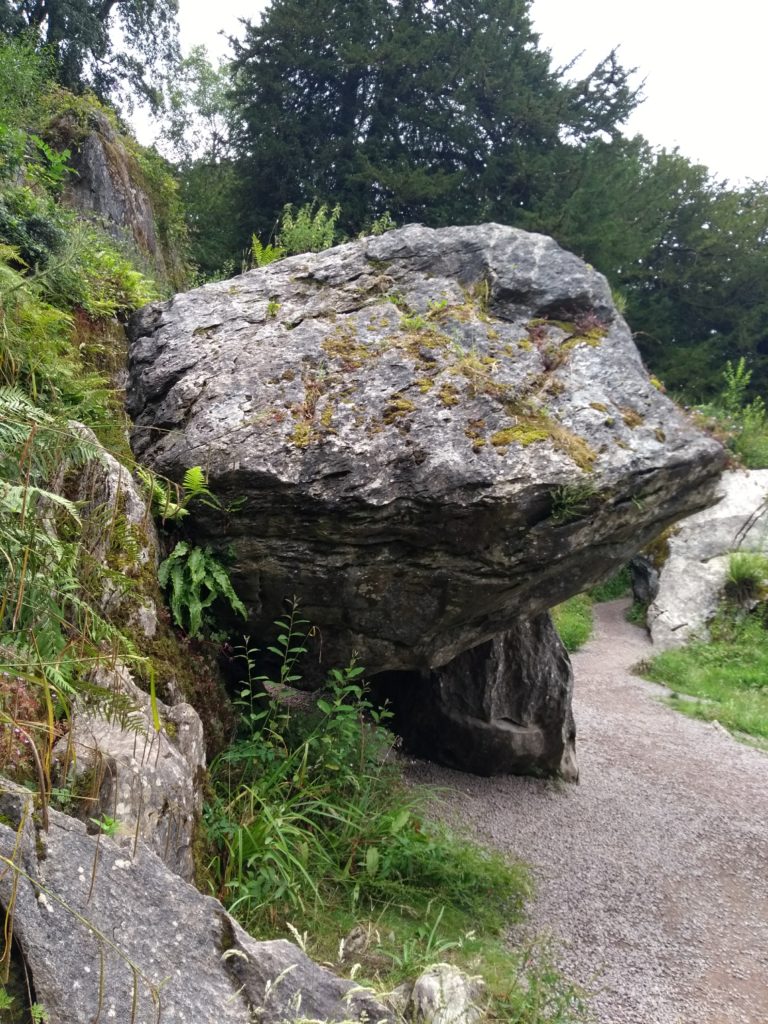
<point>350,352</point>
<point>474,431</point>
<point>631,417</point>
<point>425,384</point>
<point>448,395</point>
<point>524,433</point>
<point>396,408</point>
<point>575,447</point>
<point>326,417</point>
<point>525,344</point>
<point>599,406</point>
<point>301,435</point>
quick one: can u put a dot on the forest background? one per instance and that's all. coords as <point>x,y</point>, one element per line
<point>444,113</point>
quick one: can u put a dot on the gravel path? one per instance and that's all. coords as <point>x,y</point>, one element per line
<point>653,871</point>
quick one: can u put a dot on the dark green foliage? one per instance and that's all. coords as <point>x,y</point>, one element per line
<point>80,37</point>
<point>443,112</point>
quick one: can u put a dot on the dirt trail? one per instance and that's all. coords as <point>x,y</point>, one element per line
<point>653,871</point>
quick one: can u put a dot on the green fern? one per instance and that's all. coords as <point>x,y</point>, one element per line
<point>195,578</point>
<point>194,488</point>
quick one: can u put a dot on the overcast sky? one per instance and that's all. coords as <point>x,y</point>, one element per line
<point>704,65</point>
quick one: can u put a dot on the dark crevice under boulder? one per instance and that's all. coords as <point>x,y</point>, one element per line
<point>501,707</point>
<point>432,437</point>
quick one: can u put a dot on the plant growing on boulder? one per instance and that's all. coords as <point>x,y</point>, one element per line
<point>747,577</point>
<point>196,579</point>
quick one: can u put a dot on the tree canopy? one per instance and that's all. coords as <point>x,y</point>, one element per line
<point>446,112</point>
<point>106,44</point>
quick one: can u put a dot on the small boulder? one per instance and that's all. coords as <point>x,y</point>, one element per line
<point>445,995</point>
<point>693,576</point>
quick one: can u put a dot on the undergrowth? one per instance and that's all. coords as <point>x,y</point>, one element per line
<point>574,619</point>
<point>314,836</point>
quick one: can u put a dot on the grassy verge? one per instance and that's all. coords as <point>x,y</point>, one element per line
<point>313,836</point>
<point>573,618</point>
<point>728,676</point>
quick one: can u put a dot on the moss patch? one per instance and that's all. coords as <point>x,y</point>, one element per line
<point>631,417</point>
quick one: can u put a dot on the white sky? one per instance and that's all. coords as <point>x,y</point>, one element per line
<point>704,65</point>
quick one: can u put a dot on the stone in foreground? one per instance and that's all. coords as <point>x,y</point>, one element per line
<point>110,933</point>
<point>430,435</point>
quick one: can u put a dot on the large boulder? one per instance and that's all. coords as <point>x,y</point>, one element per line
<point>108,932</point>
<point>427,435</point>
<point>693,577</point>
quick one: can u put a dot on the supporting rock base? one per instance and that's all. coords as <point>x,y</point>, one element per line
<point>503,707</point>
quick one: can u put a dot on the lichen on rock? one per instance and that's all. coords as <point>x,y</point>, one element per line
<point>472,373</point>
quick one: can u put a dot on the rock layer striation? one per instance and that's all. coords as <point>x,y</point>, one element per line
<point>429,435</point>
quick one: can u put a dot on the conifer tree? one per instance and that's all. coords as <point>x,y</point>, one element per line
<point>444,112</point>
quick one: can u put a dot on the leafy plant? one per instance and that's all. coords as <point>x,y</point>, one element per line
<point>196,578</point>
<point>106,825</point>
<point>747,577</point>
<point>263,255</point>
<point>311,228</point>
<point>171,503</point>
<point>572,501</point>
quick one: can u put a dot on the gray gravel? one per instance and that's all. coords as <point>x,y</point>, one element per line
<point>653,871</point>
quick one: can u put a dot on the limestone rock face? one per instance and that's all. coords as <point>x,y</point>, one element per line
<point>148,781</point>
<point>693,576</point>
<point>100,927</point>
<point>110,188</point>
<point>501,707</point>
<point>433,432</point>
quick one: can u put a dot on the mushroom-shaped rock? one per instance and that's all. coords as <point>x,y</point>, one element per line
<point>428,435</point>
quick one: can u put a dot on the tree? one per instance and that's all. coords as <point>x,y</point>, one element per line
<point>689,254</point>
<point>81,36</point>
<point>197,136</point>
<point>443,112</point>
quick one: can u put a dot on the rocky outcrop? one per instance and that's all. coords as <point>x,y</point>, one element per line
<point>694,574</point>
<point>119,766</point>
<point>111,934</point>
<point>501,707</point>
<point>430,435</point>
<point>110,187</point>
